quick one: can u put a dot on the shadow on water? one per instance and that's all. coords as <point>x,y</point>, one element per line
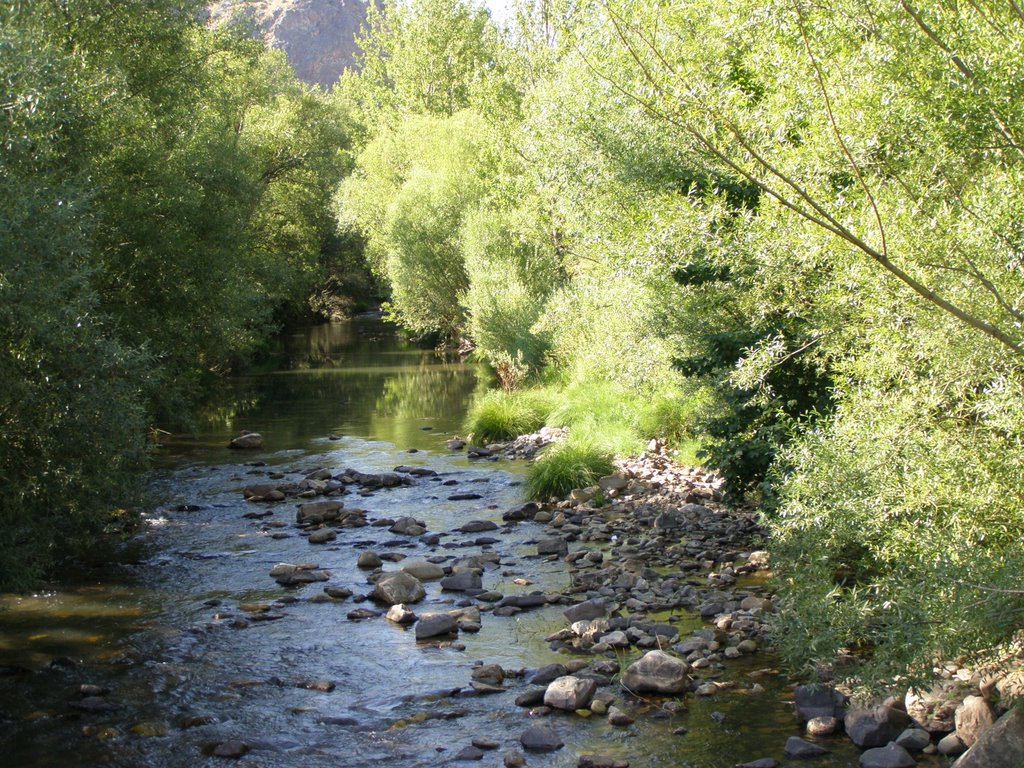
<point>172,629</point>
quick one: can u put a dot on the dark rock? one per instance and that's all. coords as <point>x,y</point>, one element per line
<point>890,756</point>
<point>250,441</point>
<point>818,701</point>
<point>435,624</point>
<point>552,546</point>
<point>531,697</point>
<point>229,749</point>
<point>600,761</point>
<point>875,727</point>
<point>467,497</point>
<point>588,610</point>
<point>462,581</point>
<point>476,526</point>
<point>540,739</point>
<point>469,753</point>
<point>764,762</point>
<point>797,747</point>
<point>546,674</point>
<point>914,739</point>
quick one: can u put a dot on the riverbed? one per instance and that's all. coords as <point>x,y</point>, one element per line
<point>194,645</point>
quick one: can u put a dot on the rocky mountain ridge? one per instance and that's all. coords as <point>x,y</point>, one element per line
<point>318,36</point>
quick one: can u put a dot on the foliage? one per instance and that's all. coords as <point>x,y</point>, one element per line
<point>162,189</point>
<point>566,466</point>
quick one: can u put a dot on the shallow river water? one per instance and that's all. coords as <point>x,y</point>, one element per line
<point>155,623</point>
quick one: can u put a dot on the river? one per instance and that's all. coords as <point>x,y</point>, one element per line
<point>160,623</point>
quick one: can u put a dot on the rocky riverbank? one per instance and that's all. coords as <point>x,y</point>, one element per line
<point>602,629</point>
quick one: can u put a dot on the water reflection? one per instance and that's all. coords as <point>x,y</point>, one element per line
<point>355,378</point>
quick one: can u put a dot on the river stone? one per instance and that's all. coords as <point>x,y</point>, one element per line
<point>250,441</point>
<point>588,610</point>
<point>951,746</point>
<point>797,747</point>
<point>1001,746</point>
<point>818,701</point>
<point>322,536</point>
<point>435,624</point>
<point>399,614</point>
<point>657,672</point>
<point>570,693</point>
<point>890,756</point>
<point>617,717</point>
<point>552,546</point>
<point>408,526</point>
<point>423,570</point>
<point>822,726</point>
<point>764,762</point>
<point>972,718</point>
<point>230,749</point>
<point>462,581</point>
<point>489,673</point>
<point>546,674</point>
<point>369,560</point>
<point>600,761</point>
<point>398,587</point>
<point>477,526</point>
<point>914,739</point>
<point>537,738</point>
<point>318,511</point>
<point>514,759</point>
<point>469,753</point>
<point>875,727</point>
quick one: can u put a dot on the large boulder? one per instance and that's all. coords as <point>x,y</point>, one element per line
<point>875,727</point>
<point>818,701</point>
<point>398,587</point>
<point>1001,746</point>
<point>657,672</point>
<point>973,717</point>
<point>570,693</point>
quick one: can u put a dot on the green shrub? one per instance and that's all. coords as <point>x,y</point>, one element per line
<point>503,415</point>
<point>562,468</point>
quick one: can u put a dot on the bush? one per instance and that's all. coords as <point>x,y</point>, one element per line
<point>562,468</point>
<point>503,415</point>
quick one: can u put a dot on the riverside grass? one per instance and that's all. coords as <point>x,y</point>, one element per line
<point>605,422</point>
<point>561,468</point>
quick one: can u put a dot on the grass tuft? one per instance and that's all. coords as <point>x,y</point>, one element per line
<point>505,415</point>
<point>562,468</point>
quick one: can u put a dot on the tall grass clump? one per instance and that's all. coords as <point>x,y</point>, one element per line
<point>501,415</point>
<point>562,468</point>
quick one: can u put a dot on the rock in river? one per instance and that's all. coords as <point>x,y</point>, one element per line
<point>540,739</point>
<point>657,672</point>
<point>250,441</point>
<point>435,624</point>
<point>398,587</point>
<point>570,693</point>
